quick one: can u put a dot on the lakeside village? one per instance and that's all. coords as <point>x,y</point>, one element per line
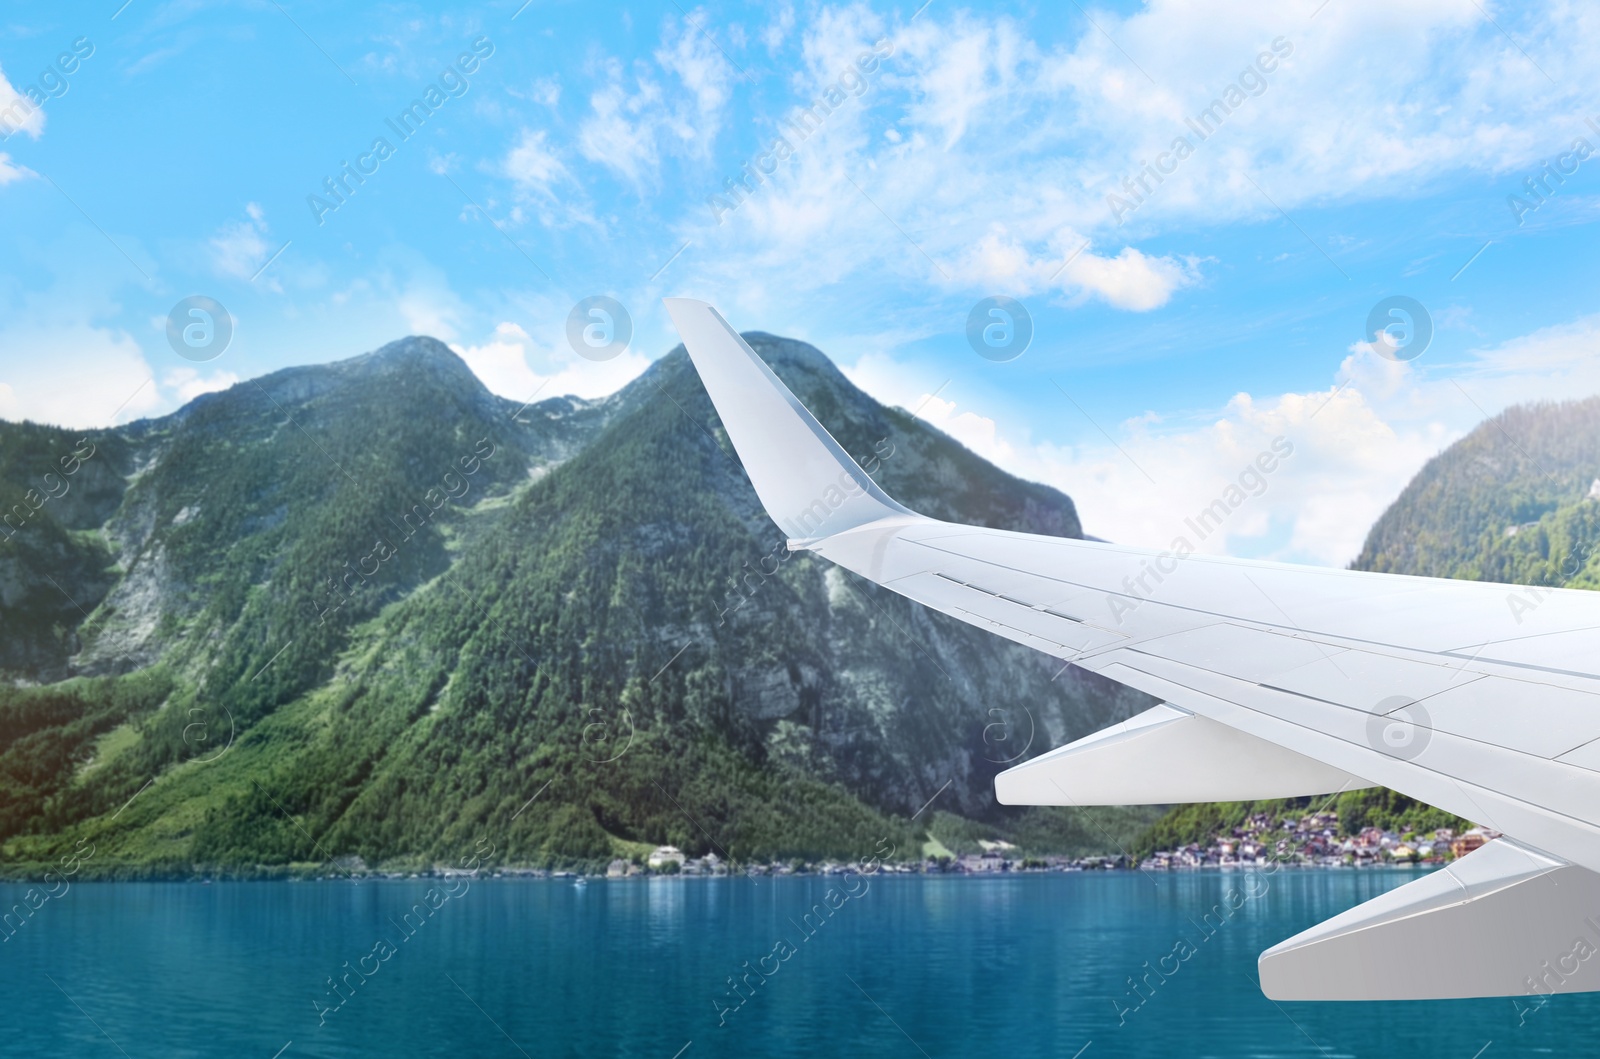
<point>1309,841</point>
<point>1312,840</point>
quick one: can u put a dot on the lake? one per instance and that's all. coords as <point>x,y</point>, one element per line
<point>897,966</point>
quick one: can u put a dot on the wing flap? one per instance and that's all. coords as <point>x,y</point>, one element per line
<point>1166,755</point>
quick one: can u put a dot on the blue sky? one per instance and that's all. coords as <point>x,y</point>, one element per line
<point>1365,151</point>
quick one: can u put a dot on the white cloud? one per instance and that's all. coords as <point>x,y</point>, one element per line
<point>832,40</point>
<point>501,363</point>
<point>966,68</point>
<point>592,379</point>
<point>1344,465</point>
<point>1131,280</point>
<point>504,365</point>
<point>10,170</point>
<point>677,106</point>
<point>532,164</point>
<point>617,133</point>
<point>72,374</point>
<point>187,383</point>
<point>779,28</point>
<point>547,92</point>
<point>1003,152</point>
<point>1355,446</point>
<point>429,310</point>
<point>17,113</point>
<point>703,71</point>
<point>1362,102</point>
<point>240,248</point>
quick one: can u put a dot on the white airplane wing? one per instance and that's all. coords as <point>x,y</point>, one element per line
<point>1276,680</point>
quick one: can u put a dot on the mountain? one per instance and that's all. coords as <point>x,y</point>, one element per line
<point>1509,502</point>
<point>370,610</point>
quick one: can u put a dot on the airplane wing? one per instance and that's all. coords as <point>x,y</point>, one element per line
<point>1275,680</point>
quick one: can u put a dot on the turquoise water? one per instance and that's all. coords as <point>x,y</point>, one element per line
<point>1021,966</point>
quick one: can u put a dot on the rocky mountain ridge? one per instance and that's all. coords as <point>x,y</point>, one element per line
<point>368,608</point>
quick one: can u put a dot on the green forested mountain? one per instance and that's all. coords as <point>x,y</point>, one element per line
<point>1509,502</point>
<point>370,610</point>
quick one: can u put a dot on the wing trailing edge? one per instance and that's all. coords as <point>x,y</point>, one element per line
<point>1166,755</point>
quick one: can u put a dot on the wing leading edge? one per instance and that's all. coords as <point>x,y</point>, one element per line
<point>1275,680</point>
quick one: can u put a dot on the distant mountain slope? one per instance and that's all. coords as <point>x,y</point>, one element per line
<point>360,609</point>
<point>1505,503</point>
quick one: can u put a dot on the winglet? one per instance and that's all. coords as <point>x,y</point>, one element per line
<point>809,485</point>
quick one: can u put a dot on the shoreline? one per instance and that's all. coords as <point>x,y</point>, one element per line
<point>31,874</point>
